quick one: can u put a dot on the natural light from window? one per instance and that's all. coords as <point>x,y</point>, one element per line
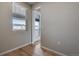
<point>18,17</point>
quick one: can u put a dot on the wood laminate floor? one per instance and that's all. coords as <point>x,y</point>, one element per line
<point>31,50</point>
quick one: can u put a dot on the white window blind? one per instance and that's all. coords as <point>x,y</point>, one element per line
<point>18,17</point>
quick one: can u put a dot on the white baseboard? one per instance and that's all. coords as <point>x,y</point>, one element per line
<point>2,53</point>
<point>61,54</point>
<point>35,41</point>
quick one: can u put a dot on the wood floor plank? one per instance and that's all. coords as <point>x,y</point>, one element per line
<point>31,50</point>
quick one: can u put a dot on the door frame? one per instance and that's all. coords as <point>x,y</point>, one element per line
<point>32,25</point>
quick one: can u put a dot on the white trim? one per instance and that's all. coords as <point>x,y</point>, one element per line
<point>35,41</point>
<point>2,53</point>
<point>59,53</point>
<point>37,8</point>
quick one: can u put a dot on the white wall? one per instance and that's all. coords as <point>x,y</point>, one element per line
<point>10,39</point>
<point>60,26</point>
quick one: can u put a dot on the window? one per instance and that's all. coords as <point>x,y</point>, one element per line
<point>36,25</point>
<point>18,17</point>
<point>37,20</point>
<point>19,24</point>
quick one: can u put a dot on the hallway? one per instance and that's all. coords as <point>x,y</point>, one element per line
<point>55,25</point>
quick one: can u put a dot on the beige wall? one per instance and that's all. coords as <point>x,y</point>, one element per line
<point>11,39</point>
<point>60,26</point>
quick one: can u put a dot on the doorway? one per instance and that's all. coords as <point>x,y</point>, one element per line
<point>36,32</point>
